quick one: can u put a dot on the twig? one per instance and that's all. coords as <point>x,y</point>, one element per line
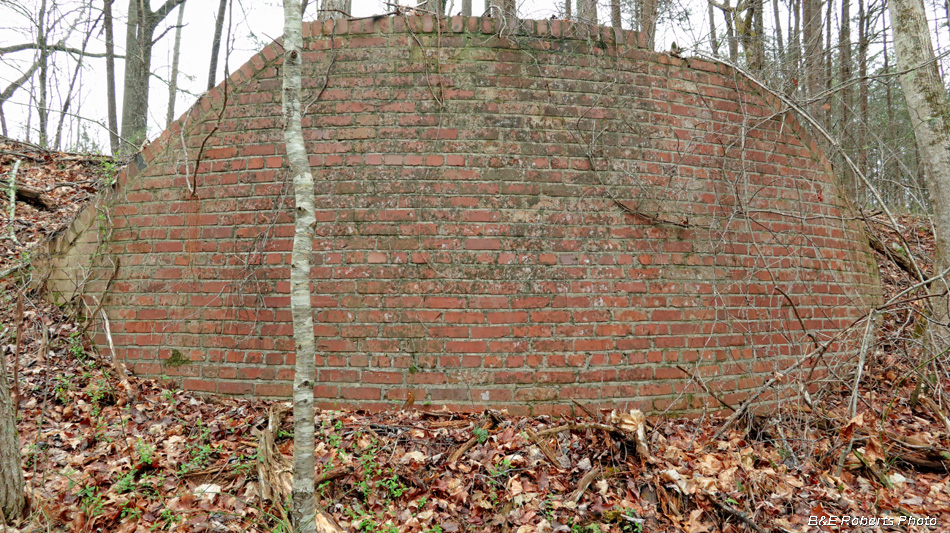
<point>932,405</point>
<point>583,484</point>
<point>706,388</point>
<point>853,407</point>
<point>800,321</point>
<point>119,367</point>
<point>580,426</point>
<point>733,512</point>
<point>543,446</point>
<point>590,413</point>
<point>831,140</point>
<point>818,352</point>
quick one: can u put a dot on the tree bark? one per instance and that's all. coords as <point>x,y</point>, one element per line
<point>110,78</point>
<point>176,54</point>
<point>648,16</point>
<point>615,19</point>
<point>138,64</point>
<point>42,109</point>
<point>216,43</point>
<point>846,71</point>
<point>929,111</point>
<point>334,9</point>
<point>467,8</point>
<point>303,510</point>
<point>713,40</point>
<point>587,11</point>
<point>12,497</point>
<point>811,35</point>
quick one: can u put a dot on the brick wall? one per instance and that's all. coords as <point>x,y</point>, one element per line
<point>513,222</point>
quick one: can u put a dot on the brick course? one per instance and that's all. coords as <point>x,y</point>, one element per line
<point>501,222</point>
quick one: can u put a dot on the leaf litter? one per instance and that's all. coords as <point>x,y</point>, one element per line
<point>103,454</point>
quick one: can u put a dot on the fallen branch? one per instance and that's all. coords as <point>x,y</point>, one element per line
<point>543,446</point>
<point>733,512</point>
<point>491,424</point>
<point>582,485</point>
<point>896,257</point>
<point>932,405</point>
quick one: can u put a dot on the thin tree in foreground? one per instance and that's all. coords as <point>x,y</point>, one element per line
<point>303,513</point>
<point>12,500</point>
<point>929,110</point>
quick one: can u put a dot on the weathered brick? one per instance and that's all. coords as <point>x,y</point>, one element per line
<point>473,253</point>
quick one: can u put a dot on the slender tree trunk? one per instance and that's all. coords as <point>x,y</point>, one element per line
<point>587,11</point>
<point>567,9</point>
<point>303,512</point>
<point>863,93</point>
<point>12,497</point>
<point>467,8</point>
<point>846,72</point>
<point>215,43</point>
<point>779,41</point>
<point>334,9</point>
<point>811,35</point>
<point>713,41</point>
<point>138,64</point>
<point>110,78</point>
<point>648,16</point>
<point>615,19</point>
<point>42,109</point>
<point>176,54</point>
<point>929,110</point>
<point>509,10</point>
<point>795,49</point>
<point>827,59</point>
<point>731,33</point>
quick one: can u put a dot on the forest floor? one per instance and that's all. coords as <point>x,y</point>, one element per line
<point>101,453</point>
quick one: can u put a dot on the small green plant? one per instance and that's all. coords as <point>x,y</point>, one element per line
<point>62,388</point>
<point>131,512</point>
<point>90,501</point>
<point>145,451</point>
<point>481,434</point>
<point>125,483</point>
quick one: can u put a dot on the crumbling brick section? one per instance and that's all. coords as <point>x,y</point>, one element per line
<point>504,219</point>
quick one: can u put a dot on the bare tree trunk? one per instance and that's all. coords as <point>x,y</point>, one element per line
<point>12,497</point>
<point>713,41</point>
<point>303,511</point>
<point>176,54</point>
<point>110,78</point>
<point>929,110</point>
<point>779,41</point>
<point>587,11</point>
<point>334,9</point>
<point>846,71</point>
<point>138,64</point>
<point>863,93</point>
<point>467,8</point>
<point>731,33</point>
<point>567,9</point>
<point>615,20</point>
<point>648,16</point>
<point>215,43</point>
<point>811,35</point>
<point>509,10</point>
<point>42,109</point>
<point>795,49</point>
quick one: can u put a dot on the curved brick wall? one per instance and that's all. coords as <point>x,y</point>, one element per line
<point>516,222</point>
